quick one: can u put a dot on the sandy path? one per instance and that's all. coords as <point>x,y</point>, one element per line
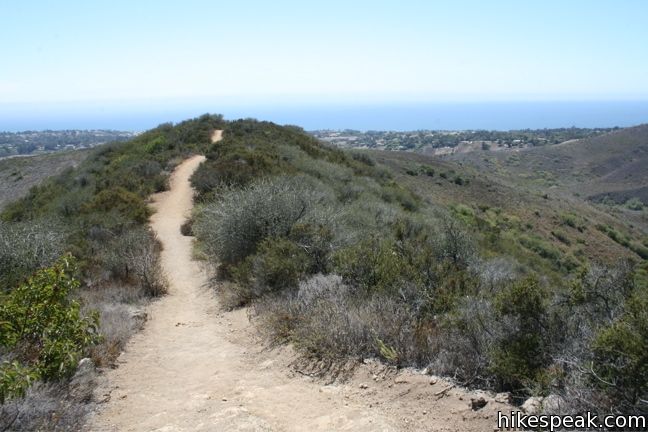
<point>196,368</point>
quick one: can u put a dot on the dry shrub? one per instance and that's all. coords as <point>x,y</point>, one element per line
<point>466,341</point>
<point>325,318</point>
<point>26,247</point>
<point>50,407</point>
<point>232,228</point>
<point>134,257</point>
<point>120,316</point>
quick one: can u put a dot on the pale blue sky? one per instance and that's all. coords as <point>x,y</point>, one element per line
<point>326,51</point>
<point>133,64</point>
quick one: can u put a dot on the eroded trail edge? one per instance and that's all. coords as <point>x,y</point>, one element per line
<point>196,368</point>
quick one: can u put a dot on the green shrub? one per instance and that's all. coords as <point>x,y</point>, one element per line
<point>561,236</point>
<point>363,158</point>
<point>639,249</point>
<point>465,213</point>
<point>614,234</point>
<point>621,357</point>
<point>520,356</point>
<point>127,204</point>
<point>542,248</point>
<point>44,329</point>
<point>278,265</point>
<point>635,204</point>
<point>372,265</point>
<point>395,193</point>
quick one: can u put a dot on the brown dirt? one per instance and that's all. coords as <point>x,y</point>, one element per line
<point>197,368</point>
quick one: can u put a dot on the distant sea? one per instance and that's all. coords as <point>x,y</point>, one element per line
<point>411,116</point>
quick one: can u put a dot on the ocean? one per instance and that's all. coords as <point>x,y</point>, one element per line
<point>402,116</point>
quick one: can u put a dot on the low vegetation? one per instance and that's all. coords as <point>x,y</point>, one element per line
<point>345,254</point>
<point>77,263</point>
<point>336,256</point>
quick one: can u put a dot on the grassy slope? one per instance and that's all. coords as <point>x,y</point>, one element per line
<point>19,174</point>
<point>522,211</point>
<point>608,163</point>
<point>610,166</point>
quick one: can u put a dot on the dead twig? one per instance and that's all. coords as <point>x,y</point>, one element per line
<point>444,391</point>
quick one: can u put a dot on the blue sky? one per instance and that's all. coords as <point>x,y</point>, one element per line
<point>162,53</point>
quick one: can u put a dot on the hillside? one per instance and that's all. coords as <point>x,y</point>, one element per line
<point>608,172</point>
<point>612,165</point>
<point>19,174</point>
<point>348,257</point>
<point>508,213</point>
<point>440,248</point>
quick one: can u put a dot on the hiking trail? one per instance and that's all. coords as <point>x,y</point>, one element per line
<point>195,367</point>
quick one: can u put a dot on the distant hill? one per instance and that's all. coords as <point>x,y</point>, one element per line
<point>614,164</point>
<point>19,174</point>
<point>439,142</point>
<point>610,170</point>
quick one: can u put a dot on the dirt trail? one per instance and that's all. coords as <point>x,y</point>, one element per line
<point>196,368</point>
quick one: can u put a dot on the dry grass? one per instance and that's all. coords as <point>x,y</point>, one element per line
<point>51,407</point>
<point>120,309</point>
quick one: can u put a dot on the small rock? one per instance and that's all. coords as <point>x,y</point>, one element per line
<point>364,386</point>
<point>533,405</point>
<point>400,380</point>
<point>82,383</point>
<point>86,365</point>
<point>433,380</point>
<point>503,398</point>
<point>224,399</point>
<point>553,404</point>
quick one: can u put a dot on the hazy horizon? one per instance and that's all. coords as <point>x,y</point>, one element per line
<point>498,115</point>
